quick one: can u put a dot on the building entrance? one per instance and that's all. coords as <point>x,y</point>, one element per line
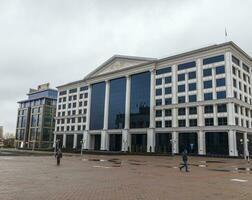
<point>217,143</point>
<point>138,142</point>
<point>163,143</point>
<point>115,142</point>
<point>69,142</point>
<point>188,141</point>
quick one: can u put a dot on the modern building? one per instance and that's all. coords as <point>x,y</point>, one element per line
<point>35,120</point>
<point>199,100</point>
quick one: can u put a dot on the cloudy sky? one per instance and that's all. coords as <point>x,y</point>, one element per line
<point>59,41</point>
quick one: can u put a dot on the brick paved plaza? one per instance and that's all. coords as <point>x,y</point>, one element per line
<point>122,177</point>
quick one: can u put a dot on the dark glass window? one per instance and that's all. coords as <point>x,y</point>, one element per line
<point>192,110</point>
<point>221,108</point>
<point>140,100</point>
<point>62,93</point>
<point>208,96</point>
<point>220,70</point>
<point>207,72</point>
<point>220,82</point>
<point>181,88</point>
<point>235,60</point>
<point>245,67</point>
<point>208,109</point>
<point>84,88</point>
<point>168,112</point>
<point>73,90</point>
<point>181,99</point>
<point>186,65</point>
<point>158,113</point>
<point>159,81</point>
<point>158,92</point>
<point>221,95</point>
<point>181,111</point>
<point>97,106</point>
<point>163,71</point>
<point>168,123</point>
<point>181,77</point>
<point>192,86</point>
<point>168,101</point>
<point>168,90</point>
<point>209,122</point>
<point>214,59</point>
<point>192,98</point>
<point>234,83</point>
<point>158,124</point>
<point>192,122</point>
<point>208,84</point>
<point>191,75</point>
<point>222,121</point>
<point>182,123</point>
<point>158,102</point>
<point>117,95</point>
<point>168,79</point>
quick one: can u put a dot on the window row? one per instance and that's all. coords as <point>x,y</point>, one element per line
<point>72,128</point>
<point>73,112</point>
<point>71,120</point>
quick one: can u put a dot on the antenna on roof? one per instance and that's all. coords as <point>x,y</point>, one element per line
<point>225,34</point>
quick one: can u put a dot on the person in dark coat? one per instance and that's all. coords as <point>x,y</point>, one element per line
<point>58,156</point>
<point>185,160</point>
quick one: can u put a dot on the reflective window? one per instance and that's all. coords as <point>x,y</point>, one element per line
<point>158,113</point>
<point>159,81</point>
<point>181,99</point>
<point>117,97</point>
<point>192,98</point>
<point>192,86</point>
<point>182,123</point>
<point>221,108</point>
<point>208,84</point>
<point>158,102</point>
<point>222,121</point>
<point>97,106</point>
<point>168,101</point>
<point>221,95</point>
<point>168,123</point>
<point>214,59</point>
<point>181,88</point>
<point>181,77</point>
<point>140,100</point>
<point>192,122</point>
<point>168,79</point>
<point>192,110</point>
<point>168,112</point>
<point>220,70</point>
<point>209,122</point>
<point>186,65</point>
<point>207,72</point>
<point>163,71</point>
<point>208,96</point>
<point>220,82</point>
<point>208,109</point>
<point>181,111</point>
<point>235,60</point>
<point>168,90</point>
<point>191,75</point>
<point>158,92</point>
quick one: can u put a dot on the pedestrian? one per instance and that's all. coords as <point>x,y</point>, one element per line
<point>58,156</point>
<point>185,160</point>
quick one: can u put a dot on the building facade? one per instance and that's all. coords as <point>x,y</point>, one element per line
<point>1,132</point>
<point>35,120</point>
<point>199,100</point>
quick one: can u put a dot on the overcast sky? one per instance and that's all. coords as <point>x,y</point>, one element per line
<point>60,41</point>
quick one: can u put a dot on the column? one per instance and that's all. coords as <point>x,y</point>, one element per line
<point>54,140</point>
<point>174,117</point>
<point>231,114</point>
<point>245,143</point>
<point>86,135</point>
<point>199,80</point>
<point>127,103</point>
<point>174,84</point>
<point>201,143</point>
<point>104,133</point>
<point>64,141</point>
<point>86,140</point>
<point>75,141</point>
<point>200,116</point>
<point>175,142</point>
<point>150,140</point>
<point>215,115</point>
<point>152,98</point>
<point>228,69</point>
<point>232,143</point>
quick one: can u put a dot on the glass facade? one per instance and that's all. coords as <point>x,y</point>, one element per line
<point>97,106</point>
<point>140,100</point>
<point>117,97</point>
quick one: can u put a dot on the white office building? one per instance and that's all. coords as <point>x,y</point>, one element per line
<point>199,100</point>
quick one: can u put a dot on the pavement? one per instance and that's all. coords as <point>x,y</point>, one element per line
<point>108,177</point>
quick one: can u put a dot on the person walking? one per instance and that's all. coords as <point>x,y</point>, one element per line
<point>185,160</point>
<point>58,156</point>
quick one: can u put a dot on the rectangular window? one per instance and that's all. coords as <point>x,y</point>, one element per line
<point>181,99</point>
<point>168,101</point>
<point>214,59</point>
<point>234,83</point>
<point>73,90</point>
<point>233,70</point>
<point>192,86</point>
<point>168,123</point>
<point>159,81</point>
<point>221,95</point>
<point>222,121</point>
<point>182,123</point>
<point>208,96</point>
<point>186,65</point>
<point>168,112</point>
<point>235,60</point>
<point>158,102</point>
<point>181,111</point>
<point>220,82</point>
<point>192,110</point>
<point>181,88</point>
<point>168,80</point>
<point>192,122</point>
<point>209,122</point>
<point>245,67</point>
<point>158,124</point>
<point>220,70</point>
<point>222,108</point>
<point>62,93</point>
<point>208,84</point>
<point>181,77</point>
<point>208,109</point>
<point>207,72</point>
<point>191,75</point>
<point>84,88</point>
<point>158,92</point>
<point>163,71</point>
<point>192,98</point>
<point>168,90</point>
<point>158,113</point>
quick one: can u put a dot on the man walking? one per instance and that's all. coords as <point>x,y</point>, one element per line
<point>58,156</point>
<point>185,160</point>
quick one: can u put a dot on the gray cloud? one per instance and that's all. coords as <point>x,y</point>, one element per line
<point>59,41</point>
